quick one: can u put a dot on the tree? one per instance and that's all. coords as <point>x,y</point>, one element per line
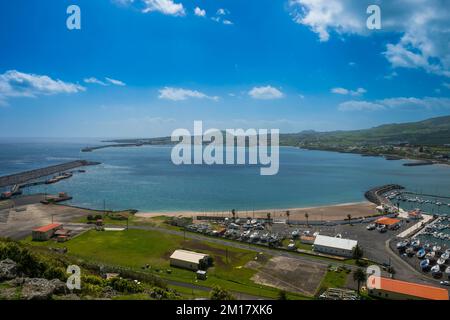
<point>218,293</point>
<point>268,217</point>
<point>233,213</point>
<point>307,216</point>
<point>359,275</point>
<point>357,252</point>
<point>349,217</point>
<point>282,295</point>
<point>287,215</point>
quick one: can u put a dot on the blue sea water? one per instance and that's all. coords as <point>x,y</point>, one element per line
<point>144,178</point>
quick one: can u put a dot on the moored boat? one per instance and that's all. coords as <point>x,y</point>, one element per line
<point>421,253</point>
<point>425,264</point>
<point>436,271</point>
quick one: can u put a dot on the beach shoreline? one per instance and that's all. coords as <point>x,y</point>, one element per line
<point>318,213</point>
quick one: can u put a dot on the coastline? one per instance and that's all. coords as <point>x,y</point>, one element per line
<point>319,213</point>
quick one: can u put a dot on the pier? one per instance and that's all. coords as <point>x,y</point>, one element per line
<point>375,195</point>
<point>23,177</point>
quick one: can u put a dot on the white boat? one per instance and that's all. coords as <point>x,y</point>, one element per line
<point>447,272</point>
<point>440,261</point>
<point>436,271</point>
<point>416,243</point>
<point>445,255</point>
<point>430,255</point>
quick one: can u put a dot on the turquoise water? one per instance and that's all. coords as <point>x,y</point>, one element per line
<point>144,178</point>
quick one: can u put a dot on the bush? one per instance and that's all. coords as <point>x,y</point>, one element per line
<point>125,285</point>
<point>218,293</point>
<point>32,265</point>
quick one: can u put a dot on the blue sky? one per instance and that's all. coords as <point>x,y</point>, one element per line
<point>143,68</point>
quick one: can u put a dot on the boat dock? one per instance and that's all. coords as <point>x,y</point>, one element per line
<point>376,195</point>
<point>18,179</point>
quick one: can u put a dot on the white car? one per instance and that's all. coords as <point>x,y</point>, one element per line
<point>445,283</point>
<point>371,226</point>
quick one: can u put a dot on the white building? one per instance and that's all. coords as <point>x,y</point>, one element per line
<point>187,259</point>
<point>334,246</point>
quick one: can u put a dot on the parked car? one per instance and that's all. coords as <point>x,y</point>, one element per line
<point>445,283</point>
<point>371,226</point>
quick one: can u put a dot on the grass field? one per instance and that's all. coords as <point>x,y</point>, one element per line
<point>137,248</point>
<point>334,279</point>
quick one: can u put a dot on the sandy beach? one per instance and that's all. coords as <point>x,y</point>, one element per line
<point>322,213</point>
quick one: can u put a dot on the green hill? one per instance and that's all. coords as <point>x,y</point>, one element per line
<point>435,131</point>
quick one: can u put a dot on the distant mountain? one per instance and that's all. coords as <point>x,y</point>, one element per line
<point>435,131</point>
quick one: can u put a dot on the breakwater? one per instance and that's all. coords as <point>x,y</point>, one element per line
<point>375,195</point>
<point>22,177</point>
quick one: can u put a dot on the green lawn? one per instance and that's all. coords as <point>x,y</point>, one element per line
<point>136,248</point>
<point>334,279</point>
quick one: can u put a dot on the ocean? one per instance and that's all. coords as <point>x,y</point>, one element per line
<point>144,178</point>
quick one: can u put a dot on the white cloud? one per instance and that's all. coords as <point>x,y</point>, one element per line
<point>359,106</point>
<point>168,7</point>
<point>94,80</point>
<point>265,93</point>
<point>179,94</point>
<point>18,84</point>
<point>116,82</point>
<point>199,12</point>
<point>222,12</point>
<point>220,17</point>
<point>343,91</point>
<point>411,103</point>
<point>422,26</point>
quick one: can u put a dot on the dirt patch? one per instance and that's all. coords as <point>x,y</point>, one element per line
<point>289,274</point>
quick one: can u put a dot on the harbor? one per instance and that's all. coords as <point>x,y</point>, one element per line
<point>22,177</point>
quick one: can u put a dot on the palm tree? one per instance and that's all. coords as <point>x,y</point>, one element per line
<point>287,215</point>
<point>349,217</point>
<point>307,216</point>
<point>233,212</point>
<point>268,217</point>
<point>359,275</point>
<point>357,253</point>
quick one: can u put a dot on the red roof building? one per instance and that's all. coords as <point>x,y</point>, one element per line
<point>44,233</point>
<point>401,290</point>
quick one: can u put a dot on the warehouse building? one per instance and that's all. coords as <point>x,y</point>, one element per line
<point>44,233</point>
<point>188,259</point>
<point>334,246</point>
<point>401,290</point>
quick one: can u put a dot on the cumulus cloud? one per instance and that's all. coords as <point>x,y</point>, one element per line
<point>167,7</point>
<point>405,103</point>
<point>422,26</point>
<point>265,93</point>
<point>343,91</point>
<point>18,84</point>
<point>179,94</point>
<point>199,12</point>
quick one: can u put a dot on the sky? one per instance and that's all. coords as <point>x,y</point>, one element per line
<point>143,68</point>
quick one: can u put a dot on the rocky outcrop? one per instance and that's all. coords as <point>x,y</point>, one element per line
<point>8,270</point>
<point>41,289</point>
